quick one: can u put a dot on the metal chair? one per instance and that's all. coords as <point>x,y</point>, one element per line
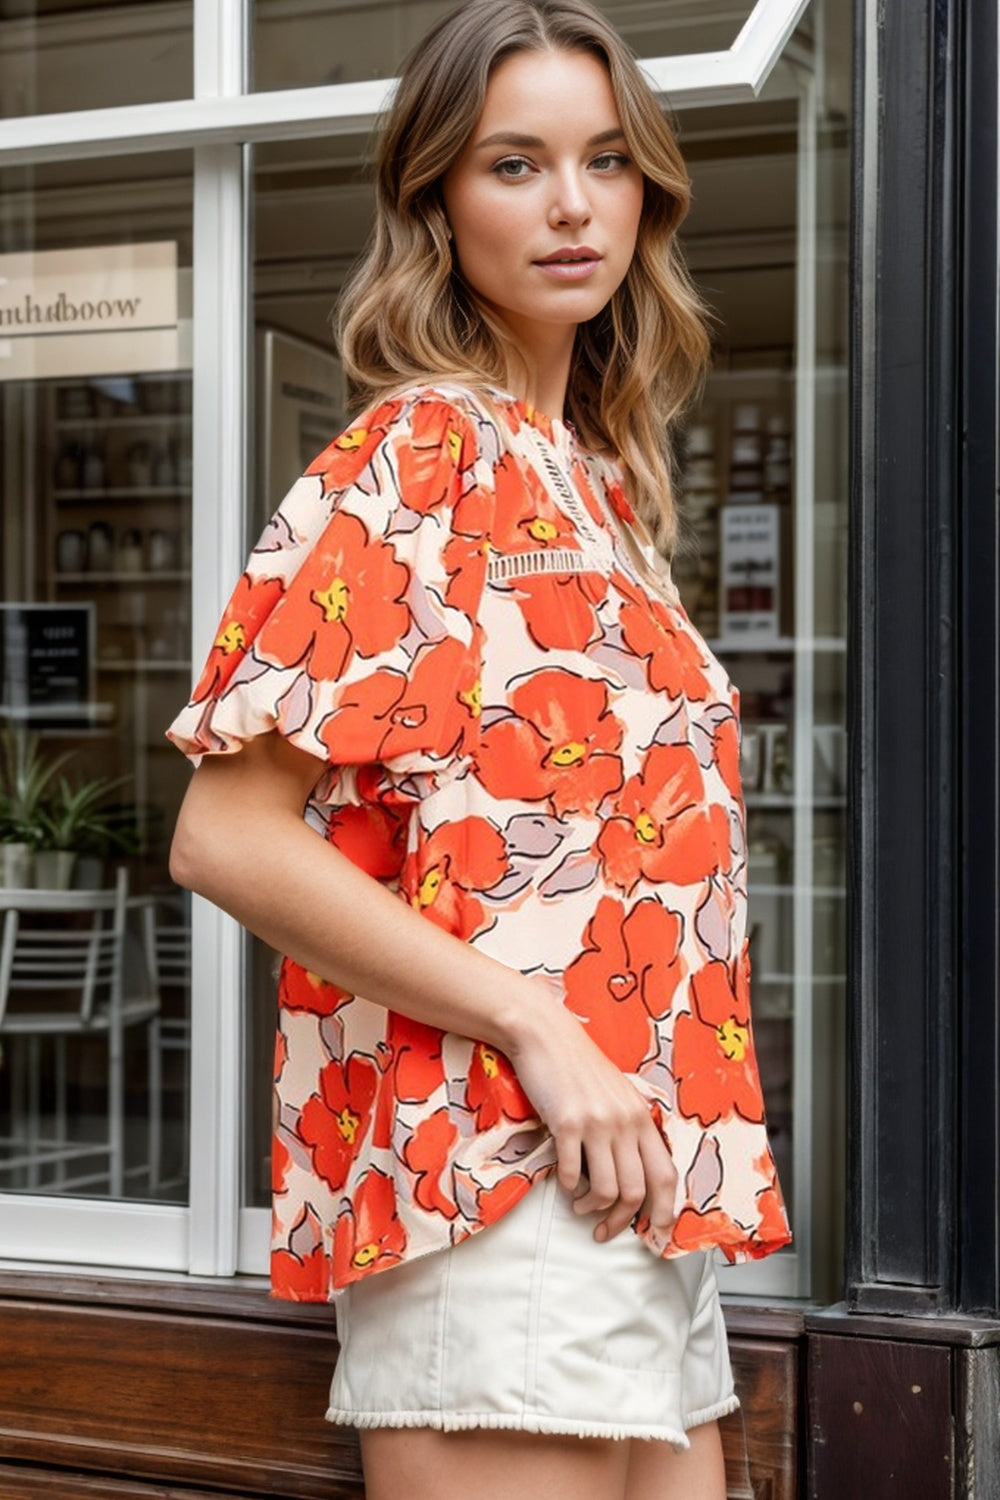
<point>167,952</point>
<point>63,982</point>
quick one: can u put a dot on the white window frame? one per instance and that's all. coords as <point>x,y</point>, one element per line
<point>215,1235</point>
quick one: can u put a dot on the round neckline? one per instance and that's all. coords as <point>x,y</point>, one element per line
<point>539,420</point>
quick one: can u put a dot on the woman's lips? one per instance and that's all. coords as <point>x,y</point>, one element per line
<point>571,265</point>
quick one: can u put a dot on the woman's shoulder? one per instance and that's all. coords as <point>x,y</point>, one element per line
<point>477,404</point>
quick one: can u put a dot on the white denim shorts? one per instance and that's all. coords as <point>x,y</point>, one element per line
<point>533,1325</point>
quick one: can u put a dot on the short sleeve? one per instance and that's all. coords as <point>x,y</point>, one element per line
<point>352,630</point>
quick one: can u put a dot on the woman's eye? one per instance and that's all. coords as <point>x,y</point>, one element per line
<point>610,161</point>
<point>513,167</point>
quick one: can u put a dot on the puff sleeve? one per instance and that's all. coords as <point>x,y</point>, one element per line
<point>352,630</point>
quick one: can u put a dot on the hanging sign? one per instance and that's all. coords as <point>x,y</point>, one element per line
<point>102,310</point>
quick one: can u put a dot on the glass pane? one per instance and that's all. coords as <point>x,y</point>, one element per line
<point>95,407</point>
<point>58,55</point>
<point>297,42</point>
<point>780,632</point>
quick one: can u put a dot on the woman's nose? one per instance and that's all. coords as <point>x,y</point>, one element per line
<point>570,203</point>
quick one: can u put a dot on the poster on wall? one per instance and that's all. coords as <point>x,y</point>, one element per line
<point>47,665</point>
<point>301,407</point>
<point>97,310</point>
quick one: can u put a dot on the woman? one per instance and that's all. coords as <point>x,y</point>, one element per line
<point>518,1107</point>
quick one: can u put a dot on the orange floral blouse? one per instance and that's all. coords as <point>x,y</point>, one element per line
<point>527,740</point>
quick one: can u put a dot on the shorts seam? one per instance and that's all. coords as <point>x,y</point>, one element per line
<point>542,1236</point>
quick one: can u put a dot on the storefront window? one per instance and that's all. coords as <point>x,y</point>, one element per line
<point>299,42</point>
<point>762,567</point>
<point>60,55</point>
<point>95,497</point>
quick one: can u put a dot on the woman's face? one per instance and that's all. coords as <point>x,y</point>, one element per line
<point>544,202</point>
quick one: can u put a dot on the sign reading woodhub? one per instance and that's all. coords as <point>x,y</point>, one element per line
<point>101,310</point>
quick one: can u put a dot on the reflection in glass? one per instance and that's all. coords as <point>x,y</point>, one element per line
<point>58,55</point>
<point>300,42</point>
<point>95,514</point>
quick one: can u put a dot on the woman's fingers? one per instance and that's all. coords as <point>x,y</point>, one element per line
<point>569,1161</point>
<point>627,1175</point>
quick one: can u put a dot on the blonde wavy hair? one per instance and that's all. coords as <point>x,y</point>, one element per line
<point>406,313</point>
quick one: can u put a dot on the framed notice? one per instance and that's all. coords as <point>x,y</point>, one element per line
<point>47,665</point>
<point>750,572</point>
<point>301,407</point>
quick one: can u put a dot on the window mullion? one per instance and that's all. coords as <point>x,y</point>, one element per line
<point>219,462</point>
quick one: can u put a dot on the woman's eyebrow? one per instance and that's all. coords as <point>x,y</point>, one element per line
<point>514,138</point>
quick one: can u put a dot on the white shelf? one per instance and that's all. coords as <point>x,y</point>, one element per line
<point>724,646</point>
<point>163,575</point>
<point>121,492</point>
<point>145,664</point>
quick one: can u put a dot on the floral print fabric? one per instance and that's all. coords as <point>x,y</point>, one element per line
<point>523,736</point>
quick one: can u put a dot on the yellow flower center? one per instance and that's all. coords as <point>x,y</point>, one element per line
<point>570,754</point>
<point>333,601</point>
<point>365,1255</point>
<point>645,829</point>
<point>455,446</point>
<point>733,1039</point>
<point>231,638</point>
<point>542,530</point>
<point>347,1124</point>
<point>489,1061</point>
<point>429,887</point>
<point>351,441</point>
<point>473,699</point>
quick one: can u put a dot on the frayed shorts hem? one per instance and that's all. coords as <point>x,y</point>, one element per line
<point>439,1421</point>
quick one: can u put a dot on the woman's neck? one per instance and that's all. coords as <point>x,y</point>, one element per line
<point>542,380</point>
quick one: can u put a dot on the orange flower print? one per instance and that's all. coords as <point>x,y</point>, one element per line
<point>426,1156</point>
<point>558,745</point>
<point>697,1230</point>
<point>388,714</point>
<point>663,828</point>
<point>492,1203</point>
<point>299,1273</point>
<point>371,1238</point>
<point>492,1090</point>
<point>674,662</point>
<point>298,989</point>
<point>415,1058</point>
<point>252,601</point>
<point>373,838</point>
<point>714,1060</point>
<point>560,609</point>
<point>527,518</point>
<point>334,1120</point>
<point>773,1221</point>
<point>349,600</point>
<point>345,458</point>
<point>458,858</point>
<point>625,977</point>
<point>430,460</point>
<point>726,754</point>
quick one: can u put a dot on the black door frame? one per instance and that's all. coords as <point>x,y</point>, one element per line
<point>923,1159</point>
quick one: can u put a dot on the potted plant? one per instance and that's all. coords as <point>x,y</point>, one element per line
<point>79,822</point>
<point>25,780</point>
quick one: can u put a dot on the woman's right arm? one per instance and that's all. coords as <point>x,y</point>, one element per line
<point>241,841</point>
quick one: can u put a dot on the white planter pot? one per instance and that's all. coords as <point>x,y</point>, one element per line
<point>17,866</point>
<point>54,869</point>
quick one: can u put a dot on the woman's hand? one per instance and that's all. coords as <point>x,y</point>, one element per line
<point>242,842</point>
<point>610,1155</point>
